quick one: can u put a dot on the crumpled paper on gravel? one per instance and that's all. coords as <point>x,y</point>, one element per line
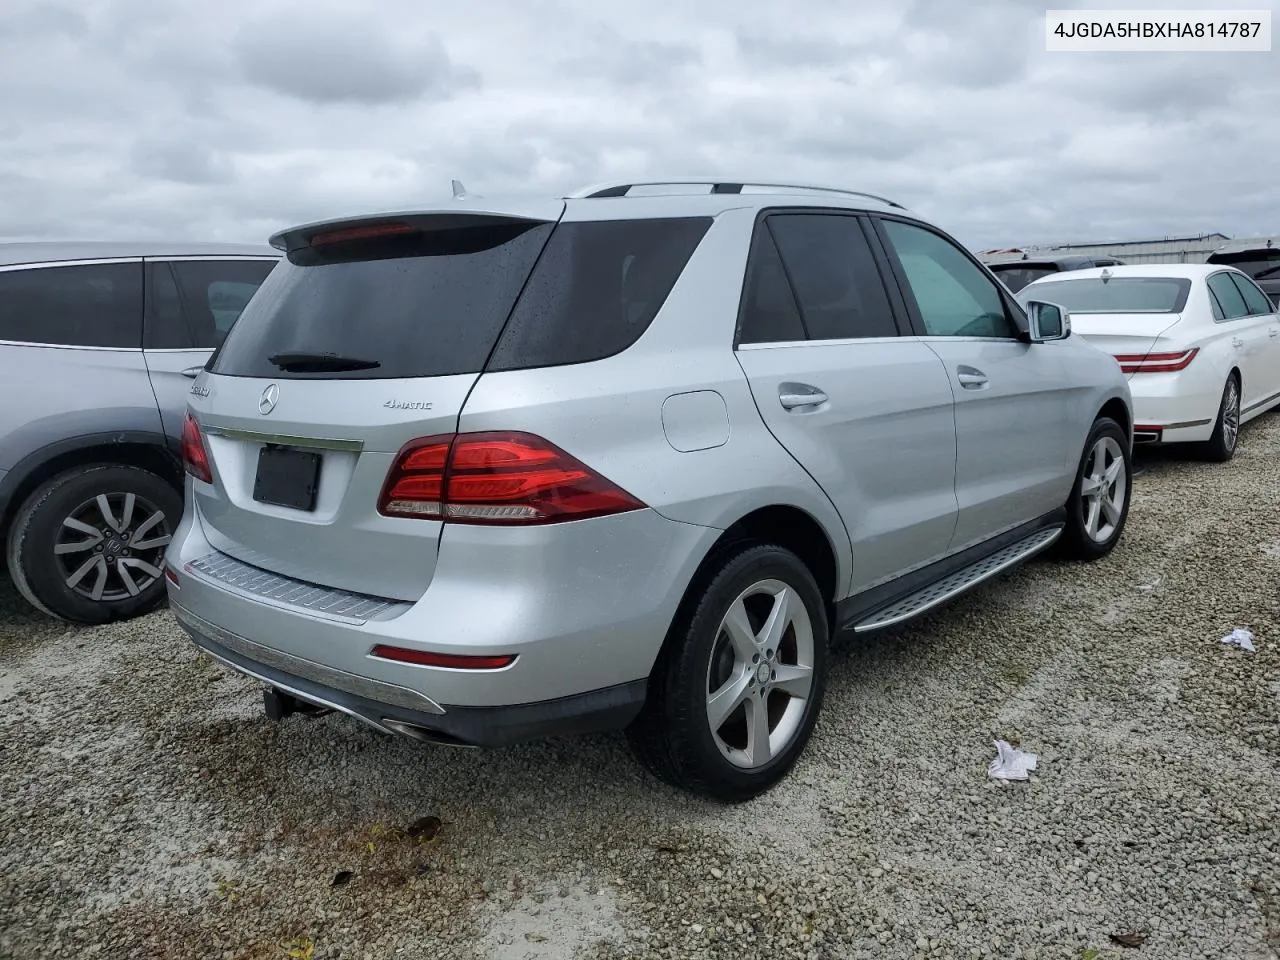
<point>1011,763</point>
<point>1242,638</point>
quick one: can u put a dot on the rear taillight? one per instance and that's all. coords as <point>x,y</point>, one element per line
<point>1157,362</point>
<point>195,458</point>
<point>497,478</point>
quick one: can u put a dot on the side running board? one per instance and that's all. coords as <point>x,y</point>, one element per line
<point>941,591</point>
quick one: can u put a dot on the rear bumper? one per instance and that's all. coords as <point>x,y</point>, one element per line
<point>583,606</point>
<point>597,711</point>
<point>1173,408</point>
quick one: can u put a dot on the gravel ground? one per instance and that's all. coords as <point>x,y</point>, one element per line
<point>147,808</point>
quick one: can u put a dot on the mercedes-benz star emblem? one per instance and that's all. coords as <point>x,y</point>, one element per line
<point>269,398</point>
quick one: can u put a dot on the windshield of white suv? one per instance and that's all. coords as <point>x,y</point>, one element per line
<point>1018,276</point>
<point>1252,262</point>
<point>1116,295</point>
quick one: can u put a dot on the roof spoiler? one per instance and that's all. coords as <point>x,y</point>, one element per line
<point>377,225</point>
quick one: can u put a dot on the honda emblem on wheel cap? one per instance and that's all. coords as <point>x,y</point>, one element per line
<point>269,398</point>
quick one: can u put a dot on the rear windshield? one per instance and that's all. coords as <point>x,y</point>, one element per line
<point>429,305</point>
<point>1117,295</point>
<point>1017,277</point>
<point>437,305</point>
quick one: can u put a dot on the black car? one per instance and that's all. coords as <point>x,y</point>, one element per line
<point>1016,274</point>
<point>1259,259</point>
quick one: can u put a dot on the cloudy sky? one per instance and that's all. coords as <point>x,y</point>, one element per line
<point>228,120</point>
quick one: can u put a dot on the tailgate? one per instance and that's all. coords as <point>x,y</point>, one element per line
<point>370,336</point>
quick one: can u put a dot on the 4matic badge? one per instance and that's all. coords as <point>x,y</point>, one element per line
<point>408,405</point>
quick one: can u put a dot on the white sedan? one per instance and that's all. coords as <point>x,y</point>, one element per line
<point>1200,342</point>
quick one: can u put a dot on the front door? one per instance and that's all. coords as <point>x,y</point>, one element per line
<point>866,411</point>
<point>1016,447</point>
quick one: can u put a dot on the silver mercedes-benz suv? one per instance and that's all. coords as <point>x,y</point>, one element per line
<point>630,459</point>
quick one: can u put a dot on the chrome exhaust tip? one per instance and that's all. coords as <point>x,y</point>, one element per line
<point>423,735</point>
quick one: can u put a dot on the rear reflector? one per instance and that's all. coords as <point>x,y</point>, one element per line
<point>497,478</point>
<point>171,575</point>
<point>1157,362</point>
<point>195,458</point>
<point>453,661</point>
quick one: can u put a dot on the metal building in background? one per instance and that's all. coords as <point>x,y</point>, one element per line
<point>1167,250</point>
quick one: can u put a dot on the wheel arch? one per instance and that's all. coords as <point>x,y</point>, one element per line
<point>784,525</point>
<point>1119,411</point>
<point>154,452</point>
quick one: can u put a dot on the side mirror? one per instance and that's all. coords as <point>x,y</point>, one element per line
<point>1047,321</point>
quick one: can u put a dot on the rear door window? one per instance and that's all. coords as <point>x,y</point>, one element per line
<point>427,304</point>
<point>769,312</point>
<point>193,303</point>
<point>834,276</point>
<point>84,305</point>
<point>596,289</point>
<point>1228,297</point>
<point>1257,301</point>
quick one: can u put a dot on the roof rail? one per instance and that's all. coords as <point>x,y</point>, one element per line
<point>717,186</point>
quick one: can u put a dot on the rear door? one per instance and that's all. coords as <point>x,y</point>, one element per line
<point>191,305</point>
<point>865,410</point>
<point>70,355</point>
<point>1017,429</point>
<point>1246,331</point>
<point>370,336</point>
<point>1264,312</point>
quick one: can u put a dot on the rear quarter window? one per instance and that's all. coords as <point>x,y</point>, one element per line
<point>82,305</point>
<point>596,289</point>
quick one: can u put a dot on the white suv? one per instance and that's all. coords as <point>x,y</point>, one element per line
<point>627,459</point>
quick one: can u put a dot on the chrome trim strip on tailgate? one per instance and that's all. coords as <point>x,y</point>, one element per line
<point>284,439</point>
<point>280,591</point>
<point>376,690</point>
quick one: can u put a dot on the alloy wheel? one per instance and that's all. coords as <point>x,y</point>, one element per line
<point>112,546</point>
<point>761,674</point>
<point>1231,415</point>
<point>1102,489</point>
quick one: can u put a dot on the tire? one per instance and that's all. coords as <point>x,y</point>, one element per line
<point>67,512</point>
<point>1221,446</point>
<point>1088,535</point>
<point>674,737</point>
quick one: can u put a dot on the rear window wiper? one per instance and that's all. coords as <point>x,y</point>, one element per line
<point>319,362</point>
<point>1266,273</point>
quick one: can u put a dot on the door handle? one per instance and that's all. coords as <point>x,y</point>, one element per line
<point>193,372</point>
<point>1275,332</point>
<point>791,401</point>
<point>1237,342</point>
<point>971,378</point>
